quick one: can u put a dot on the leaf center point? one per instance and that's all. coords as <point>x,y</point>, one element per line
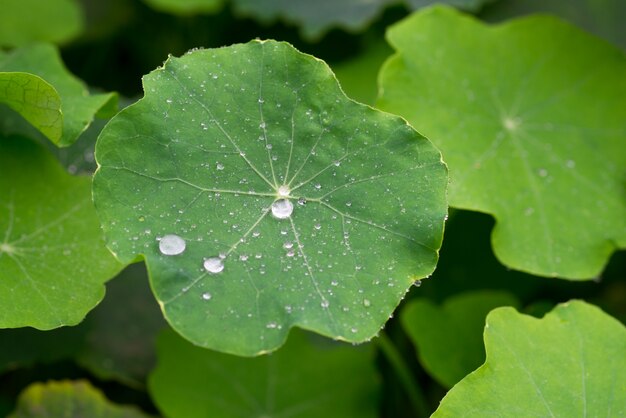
<point>283,191</point>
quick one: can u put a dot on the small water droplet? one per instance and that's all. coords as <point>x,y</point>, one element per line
<point>206,296</point>
<point>282,209</point>
<point>348,204</point>
<point>172,245</point>
<point>283,190</point>
<point>219,166</point>
<point>354,330</point>
<point>291,253</point>
<point>367,303</point>
<point>334,283</point>
<point>287,245</point>
<point>318,186</point>
<point>301,201</point>
<point>417,283</point>
<point>317,226</point>
<point>243,257</point>
<point>272,325</point>
<point>256,234</point>
<point>214,265</point>
<point>325,304</point>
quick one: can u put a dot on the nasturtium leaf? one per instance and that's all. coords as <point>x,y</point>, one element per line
<point>315,17</point>
<point>186,7</point>
<point>306,378</point>
<point>53,261</point>
<point>571,363</point>
<point>262,198</point>
<point>449,338</point>
<point>469,5</point>
<point>529,116</point>
<point>69,399</point>
<point>26,21</point>
<point>35,100</point>
<point>78,107</point>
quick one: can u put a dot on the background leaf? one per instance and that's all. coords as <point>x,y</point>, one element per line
<point>315,18</point>
<point>308,377</point>
<point>69,399</point>
<point>221,138</point>
<point>77,106</point>
<point>35,100</point>
<point>47,219</point>
<point>438,332</point>
<point>570,363</point>
<point>517,131</point>
<point>185,7</point>
<point>26,21</point>
<point>469,5</point>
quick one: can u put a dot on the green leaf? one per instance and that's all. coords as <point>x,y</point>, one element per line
<point>306,378</point>
<point>35,100</point>
<point>186,7</point>
<point>222,142</point>
<point>605,18</point>
<point>315,18</point>
<point>53,262</point>
<point>26,21</point>
<point>469,5</point>
<point>440,332</point>
<point>77,106</point>
<point>69,399</point>
<point>518,132</point>
<point>571,363</point>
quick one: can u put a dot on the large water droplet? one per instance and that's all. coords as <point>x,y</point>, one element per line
<point>282,208</point>
<point>172,245</point>
<point>214,264</point>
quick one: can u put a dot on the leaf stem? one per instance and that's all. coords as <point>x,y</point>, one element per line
<point>401,370</point>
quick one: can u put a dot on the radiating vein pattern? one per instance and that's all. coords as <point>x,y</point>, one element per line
<point>312,210</point>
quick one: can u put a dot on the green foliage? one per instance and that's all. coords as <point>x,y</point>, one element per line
<point>53,263</point>
<point>300,208</point>
<point>307,378</point>
<point>221,143</point>
<point>61,122</point>
<point>517,132</point>
<point>438,332</point>
<point>570,363</point>
<point>69,399</point>
<point>26,21</point>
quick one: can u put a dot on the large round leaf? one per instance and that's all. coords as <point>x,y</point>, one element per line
<point>53,262</point>
<point>529,116</point>
<point>225,144</point>
<point>571,363</point>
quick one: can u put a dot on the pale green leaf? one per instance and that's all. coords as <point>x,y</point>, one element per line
<point>529,116</point>
<point>35,100</point>
<point>78,107</point>
<point>53,262</point>
<point>469,5</point>
<point>186,7</point>
<point>221,140</point>
<point>307,378</point>
<point>69,399</point>
<point>571,363</point>
<point>315,17</point>
<point>439,332</point>
<point>26,21</point>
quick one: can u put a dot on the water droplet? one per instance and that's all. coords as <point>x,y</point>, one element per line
<point>334,283</point>
<point>172,245</point>
<point>290,253</point>
<point>543,172</point>
<point>219,166</point>
<point>318,186</point>
<point>168,101</point>
<point>282,208</point>
<point>354,330</point>
<point>283,191</point>
<point>367,303</point>
<point>214,265</point>
<point>348,204</point>
<point>256,234</point>
<point>417,283</point>
<point>301,201</point>
<point>287,245</point>
<point>317,226</point>
<point>262,125</point>
<point>325,304</point>
<point>288,309</point>
<point>206,296</point>
<point>272,325</point>
<point>243,257</point>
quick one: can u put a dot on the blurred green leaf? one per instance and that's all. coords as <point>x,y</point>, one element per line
<point>518,132</point>
<point>186,7</point>
<point>256,166</point>
<point>26,21</point>
<point>306,378</point>
<point>53,262</point>
<point>469,5</point>
<point>76,105</point>
<point>69,399</point>
<point>571,363</point>
<point>449,338</point>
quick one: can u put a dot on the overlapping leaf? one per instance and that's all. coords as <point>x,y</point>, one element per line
<point>185,7</point>
<point>69,399</point>
<point>225,143</point>
<point>571,363</point>
<point>307,378</point>
<point>470,5</point>
<point>529,116</point>
<point>53,262</point>
<point>26,21</point>
<point>35,83</point>
<point>439,332</point>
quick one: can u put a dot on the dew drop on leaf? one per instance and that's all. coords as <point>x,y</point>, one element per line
<point>172,245</point>
<point>206,296</point>
<point>282,208</point>
<point>214,265</point>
